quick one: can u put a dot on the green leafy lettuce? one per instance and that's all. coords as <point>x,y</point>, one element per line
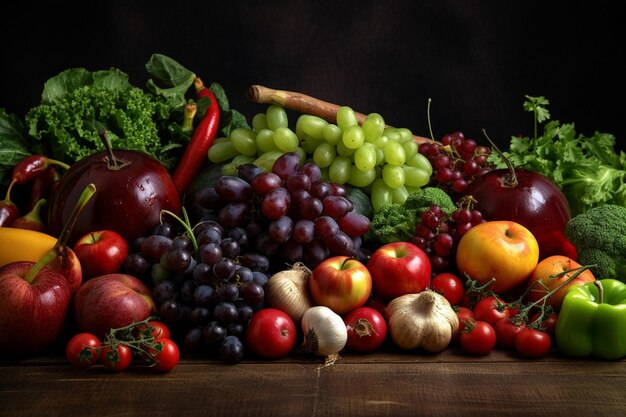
<point>587,169</point>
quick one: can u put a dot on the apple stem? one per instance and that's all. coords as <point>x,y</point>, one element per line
<point>511,179</point>
<point>112,162</point>
<point>60,247</point>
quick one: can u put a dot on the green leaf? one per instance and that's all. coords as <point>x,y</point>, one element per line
<point>13,144</point>
<point>113,79</point>
<point>174,78</point>
<point>537,106</point>
<point>64,83</point>
<point>168,71</point>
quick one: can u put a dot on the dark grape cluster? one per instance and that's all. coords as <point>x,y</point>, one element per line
<point>456,161</point>
<point>206,284</point>
<point>289,214</point>
<point>438,233</point>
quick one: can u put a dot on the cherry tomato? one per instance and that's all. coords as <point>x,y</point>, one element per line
<point>82,350</point>
<point>532,343</point>
<point>506,332</point>
<point>478,338</point>
<point>491,309</point>
<point>465,315</point>
<point>271,334</point>
<point>548,324</point>
<point>157,329</point>
<point>367,329</point>
<point>117,359</point>
<point>167,355</point>
<point>450,286</point>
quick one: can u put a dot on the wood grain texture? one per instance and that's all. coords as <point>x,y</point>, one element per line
<point>394,384</point>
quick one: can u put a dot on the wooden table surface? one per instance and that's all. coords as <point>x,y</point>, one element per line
<point>389,382</point>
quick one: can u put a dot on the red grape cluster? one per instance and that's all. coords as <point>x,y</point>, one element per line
<point>456,161</point>
<point>290,213</point>
<point>438,234</point>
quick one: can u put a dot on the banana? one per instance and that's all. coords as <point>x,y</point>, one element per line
<point>23,245</point>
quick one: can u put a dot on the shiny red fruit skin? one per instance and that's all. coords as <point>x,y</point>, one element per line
<point>536,202</point>
<point>128,200</point>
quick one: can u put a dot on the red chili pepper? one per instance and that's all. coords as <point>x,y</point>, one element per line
<point>8,210</point>
<point>32,166</point>
<point>32,219</point>
<point>195,155</point>
<point>42,186</point>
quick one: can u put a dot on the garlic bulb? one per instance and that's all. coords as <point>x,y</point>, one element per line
<point>325,332</point>
<point>425,319</point>
<point>288,291</point>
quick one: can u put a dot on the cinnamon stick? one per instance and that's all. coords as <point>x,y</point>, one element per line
<point>304,104</point>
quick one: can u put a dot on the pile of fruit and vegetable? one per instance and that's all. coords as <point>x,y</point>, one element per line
<point>140,224</point>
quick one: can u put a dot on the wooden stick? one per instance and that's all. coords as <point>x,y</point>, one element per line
<point>304,104</point>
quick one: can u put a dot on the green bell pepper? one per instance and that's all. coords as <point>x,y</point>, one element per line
<point>592,320</point>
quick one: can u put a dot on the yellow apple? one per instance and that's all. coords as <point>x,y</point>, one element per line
<point>504,250</point>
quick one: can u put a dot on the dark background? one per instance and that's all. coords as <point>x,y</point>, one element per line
<point>475,59</point>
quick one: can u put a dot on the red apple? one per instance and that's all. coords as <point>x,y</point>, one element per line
<point>68,265</point>
<point>399,268</point>
<point>504,250</point>
<point>32,314</point>
<point>340,283</point>
<point>111,301</point>
<point>101,252</point>
<point>131,194</point>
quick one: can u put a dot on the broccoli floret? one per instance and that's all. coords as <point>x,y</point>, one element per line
<point>599,236</point>
<point>396,222</point>
<point>428,196</point>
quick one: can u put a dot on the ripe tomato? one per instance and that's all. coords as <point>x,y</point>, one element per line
<point>506,332</point>
<point>465,315</point>
<point>166,356</point>
<point>367,329</point>
<point>478,338</point>
<point>117,359</point>
<point>491,309</point>
<point>82,350</point>
<point>157,329</point>
<point>548,324</point>
<point>271,334</point>
<point>450,286</point>
<point>532,343</point>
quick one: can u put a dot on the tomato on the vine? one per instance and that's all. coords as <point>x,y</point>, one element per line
<point>167,357</point>
<point>157,329</point>
<point>271,333</point>
<point>450,286</point>
<point>548,323</point>
<point>367,329</point>
<point>478,338</point>
<point>82,350</point>
<point>532,343</point>
<point>491,309</point>
<point>117,359</point>
<point>465,315</point>
<point>506,332</point>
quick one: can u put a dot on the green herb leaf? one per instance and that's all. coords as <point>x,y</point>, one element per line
<point>175,78</point>
<point>13,144</point>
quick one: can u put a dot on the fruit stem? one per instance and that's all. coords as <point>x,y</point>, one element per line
<point>186,224</point>
<point>511,178</point>
<point>598,284</point>
<point>430,128</point>
<point>550,293</point>
<point>60,247</point>
<point>7,198</point>
<point>112,162</point>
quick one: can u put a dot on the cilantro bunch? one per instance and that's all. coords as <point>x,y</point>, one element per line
<point>587,169</point>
